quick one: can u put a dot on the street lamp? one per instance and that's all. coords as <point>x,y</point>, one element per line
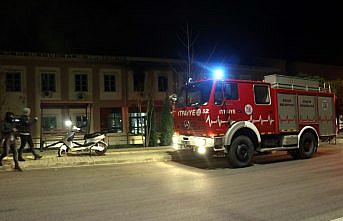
<point>68,123</point>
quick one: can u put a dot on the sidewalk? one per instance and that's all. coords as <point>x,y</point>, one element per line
<point>112,156</point>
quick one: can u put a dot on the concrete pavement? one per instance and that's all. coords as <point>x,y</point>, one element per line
<point>275,188</point>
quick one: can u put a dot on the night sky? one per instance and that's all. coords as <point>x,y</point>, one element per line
<point>225,31</point>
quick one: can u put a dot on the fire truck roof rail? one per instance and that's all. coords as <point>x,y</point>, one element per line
<point>295,83</point>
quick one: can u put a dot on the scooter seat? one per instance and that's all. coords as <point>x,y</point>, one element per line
<point>92,135</point>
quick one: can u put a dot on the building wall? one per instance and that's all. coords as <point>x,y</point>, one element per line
<point>31,93</point>
<point>16,100</point>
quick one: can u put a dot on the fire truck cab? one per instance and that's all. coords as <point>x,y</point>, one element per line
<point>238,118</point>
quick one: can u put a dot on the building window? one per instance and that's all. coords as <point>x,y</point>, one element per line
<point>138,81</point>
<point>13,81</point>
<point>137,123</point>
<point>111,118</point>
<point>162,83</point>
<point>261,93</point>
<point>109,83</point>
<point>81,82</point>
<point>48,82</point>
<point>114,121</point>
<point>81,121</point>
<point>49,123</point>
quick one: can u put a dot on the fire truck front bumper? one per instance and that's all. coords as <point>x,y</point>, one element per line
<point>201,145</point>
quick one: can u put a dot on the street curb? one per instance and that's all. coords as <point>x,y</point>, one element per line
<point>53,153</point>
<point>120,150</point>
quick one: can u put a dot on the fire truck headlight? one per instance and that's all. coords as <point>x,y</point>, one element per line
<point>175,140</point>
<point>200,142</point>
<point>201,150</point>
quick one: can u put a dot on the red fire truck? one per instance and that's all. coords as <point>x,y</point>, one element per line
<point>238,118</point>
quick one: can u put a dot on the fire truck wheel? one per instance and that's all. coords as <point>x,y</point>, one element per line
<point>307,145</point>
<point>241,152</point>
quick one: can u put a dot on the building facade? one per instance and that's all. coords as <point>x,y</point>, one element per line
<point>111,91</point>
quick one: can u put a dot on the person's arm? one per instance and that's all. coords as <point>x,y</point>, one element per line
<point>32,120</point>
<point>8,128</point>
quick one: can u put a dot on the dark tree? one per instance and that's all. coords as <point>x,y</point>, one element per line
<point>167,129</point>
<point>151,131</point>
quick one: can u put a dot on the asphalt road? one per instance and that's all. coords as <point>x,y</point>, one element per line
<point>275,188</point>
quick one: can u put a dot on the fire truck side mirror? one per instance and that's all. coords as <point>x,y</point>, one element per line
<point>173,98</point>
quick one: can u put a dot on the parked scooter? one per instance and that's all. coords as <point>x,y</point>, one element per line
<point>93,142</point>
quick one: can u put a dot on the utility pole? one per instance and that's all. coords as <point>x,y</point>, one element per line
<point>188,53</point>
<point>187,41</point>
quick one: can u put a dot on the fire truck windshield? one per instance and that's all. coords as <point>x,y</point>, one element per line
<point>195,94</point>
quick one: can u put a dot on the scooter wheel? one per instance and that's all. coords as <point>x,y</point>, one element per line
<point>97,152</point>
<point>61,152</point>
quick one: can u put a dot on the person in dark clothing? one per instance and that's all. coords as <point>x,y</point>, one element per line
<point>25,134</point>
<point>8,130</point>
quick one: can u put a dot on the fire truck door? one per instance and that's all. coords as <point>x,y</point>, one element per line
<point>217,117</point>
<point>227,106</point>
<point>233,105</point>
<point>263,114</point>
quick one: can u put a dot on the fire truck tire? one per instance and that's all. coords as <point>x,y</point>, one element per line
<point>241,152</point>
<point>307,145</point>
